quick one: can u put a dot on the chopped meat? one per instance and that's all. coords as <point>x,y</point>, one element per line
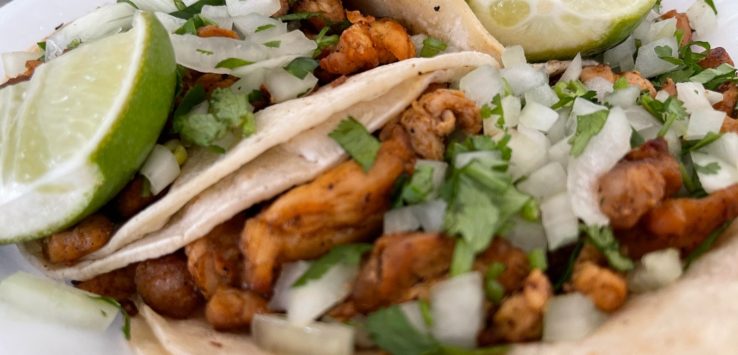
<point>520,317</point>
<point>231,308</point>
<point>681,223</point>
<point>601,70</point>
<point>284,8</point>
<point>730,99</point>
<point>715,58</point>
<point>607,289</point>
<point>331,11</point>
<point>434,116</point>
<point>214,260</point>
<point>118,284</point>
<point>368,43</point>
<point>343,205</point>
<point>166,286</point>
<point>134,198</point>
<point>515,260</point>
<point>729,125</point>
<point>215,31</point>
<point>682,24</point>
<point>88,236</point>
<point>397,263</point>
<point>31,66</point>
<point>640,181</point>
<point>670,87</point>
<point>636,79</point>
<point>212,81</point>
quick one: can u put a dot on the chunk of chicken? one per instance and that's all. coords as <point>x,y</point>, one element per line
<point>639,182</point>
<point>214,260</point>
<point>368,43</point>
<point>396,264</point>
<point>118,284</point>
<point>166,286</point>
<point>343,205</point>
<point>331,11</point>
<point>729,125</point>
<point>88,236</point>
<point>607,289</point>
<point>681,223</point>
<point>682,24</point>
<point>231,308</point>
<point>215,31</point>
<point>520,317</point>
<point>517,266</point>
<point>730,99</point>
<point>597,71</point>
<point>133,198</point>
<point>636,79</point>
<point>436,115</point>
<point>715,58</point>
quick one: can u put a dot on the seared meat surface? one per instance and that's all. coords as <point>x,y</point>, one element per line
<point>88,236</point>
<point>214,260</point>
<point>166,286</point>
<point>232,308</point>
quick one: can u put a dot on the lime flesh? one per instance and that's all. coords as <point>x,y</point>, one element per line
<point>72,136</point>
<point>559,29</point>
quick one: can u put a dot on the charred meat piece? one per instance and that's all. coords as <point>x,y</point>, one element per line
<point>436,115</point>
<point>88,236</point>
<point>231,308</point>
<point>730,99</point>
<point>715,58</point>
<point>682,24</point>
<point>517,266</point>
<point>607,289</point>
<point>118,284</point>
<point>670,87</point>
<point>166,286</point>
<point>646,176</point>
<point>134,198</point>
<point>729,125</point>
<point>636,79</point>
<point>681,223</point>
<point>215,31</point>
<point>214,260</point>
<point>368,43</point>
<point>343,205</point>
<point>396,264</point>
<point>331,11</point>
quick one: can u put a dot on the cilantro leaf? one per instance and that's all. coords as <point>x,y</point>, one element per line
<point>569,270</point>
<point>204,51</point>
<point>194,96</point>
<point>667,112</point>
<point>588,126</point>
<point>126,328</point>
<point>357,142</point>
<point>192,24</point>
<point>180,5</point>
<point>298,16</point>
<point>196,8</point>
<point>569,91</point>
<point>711,3</point>
<point>419,187</point>
<point>273,44</point>
<point>324,41</point>
<point>665,53</point>
<point>300,67</point>
<point>233,63</point>
<point>432,47</point>
<point>604,239</point>
<point>492,287</point>
<point>705,141</point>
<point>713,78</point>
<point>393,332</point>
<point>348,254</point>
<point>537,259</point>
<point>709,169</point>
<point>264,27</point>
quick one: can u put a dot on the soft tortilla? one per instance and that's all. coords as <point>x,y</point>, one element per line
<point>282,167</point>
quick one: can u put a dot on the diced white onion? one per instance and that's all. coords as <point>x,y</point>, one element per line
<point>14,63</point>
<point>204,54</point>
<point>219,14</point>
<point>702,18</point>
<point>662,95</point>
<point>714,96</point>
<point>292,43</point>
<point>166,6</point>
<point>542,94</point>
<point>511,108</point>
<point>624,51</point>
<point>724,148</point>
<point>103,22</point>
<point>457,307</point>
<point>308,302</point>
<point>599,85</point>
<point>283,86</point>
<point>529,148</point>
<point>160,169</point>
<point>643,30</point>
<point>430,215</point>
<point>57,302</point>
<point>546,181</point>
<point>482,84</point>
<point>400,220</point>
<point>656,270</point>
<point>485,157</point>
<point>583,107</point>
<point>648,62</point>
<point>527,235</point>
<point>170,23</point>
<point>603,151</point>
<point>412,312</point>
<point>570,317</point>
<point>661,29</point>
<point>640,119</point>
<point>245,7</point>
<point>251,82</point>
<point>693,96</point>
<point>249,24</point>
<point>559,221</point>
<point>725,176</point>
<point>671,137</point>
<point>283,287</point>
<point>524,77</point>
<point>574,70</point>
<point>704,121</point>
<point>418,42</point>
<point>513,55</point>
<point>275,334</point>
<point>624,98</point>
<point>559,131</point>
<point>537,116</point>
<point>560,152</point>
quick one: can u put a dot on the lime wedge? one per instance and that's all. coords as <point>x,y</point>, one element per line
<point>559,29</point>
<point>75,134</point>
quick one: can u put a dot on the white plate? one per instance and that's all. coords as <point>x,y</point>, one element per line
<point>25,22</point>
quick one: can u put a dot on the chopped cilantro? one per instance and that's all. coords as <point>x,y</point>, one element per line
<point>392,332</point>
<point>228,110</point>
<point>204,51</point>
<point>531,211</point>
<point>705,141</point>
<point>569,91</point>
<point>41,45</point>
<point>709,169</point>
<point>432,47</point>
<point>299,16</point>
<point>348,254</point>
<point>463,258</point>
<point>300,67</point>
<point>665,53</point>
<point>273,44</point>
<point>667,112</point>
<point>233,63</point>
<point>588,126</point>
<point>621,83</point>
<point>74,44</point>
<point>323,41</point>
<point>604,239</point>
<point>425,312</point>
<point>713,78</point>
<point>537,259</point>
<point>180,5</point>
<point>195,8</point>
<point>192,24</point>
<point>357,142</point>
<point>492,287</point>
<point>690,179</point>
<point>711,3</point>
<point>419,187</point>
<point>126,328</point>
<point>264,27</point>
<point>636,139</point>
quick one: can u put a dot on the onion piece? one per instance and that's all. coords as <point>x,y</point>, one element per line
<point>704,121</point>
<point>249,25</point>
<point>661,29</point>
<point>725,176</point>
<point>511,107</point>
<point>644,28</point>
<point>640,119</point>
<point>292,43</point>
<point>601,154</point>
<point>624,98</point>
<point>524,77</point>
<point>559,221</point>
<point>513,55</point>
<point>662,95</point>
<point>170,23</point>
<point>559,131</point>
<point>529,149</point>
<point>583,107</point>
<point>14,63</point>
<point>283,287</point>
<point>527,235</point>
<point>457,306</point>
<point>624,51</point>
<point>574,70</point>
<point>714,97</point>
<point>656,270</point>
<point>537,116</point>
<point>481,85</point>
<point>283,86</point>
<point>648,62</point>
<point>160,169</point>
<point>400,220</point>
<point>570,317</point>
<point>702,18</point>
<point>601,86</point>
<point>412,312</point>
<point>276,334</point>
<point>204,54</point>
<point>308,302</point>
<point>693,96</point>
<point>488,158</point>
<point>560,152</point>
<point>542,94</point>
<point>439,171</point>
<point>165,6</point>
<point>245,7</point>
<point>546,181</point>
<point>219,14</point>
<point>430,215</point>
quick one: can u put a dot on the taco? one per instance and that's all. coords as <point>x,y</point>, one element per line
<point>276,62</point>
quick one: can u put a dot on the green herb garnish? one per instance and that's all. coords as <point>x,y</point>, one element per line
<point>570,91</point>
<point>353,137</point>
<point>196,8</point>
<point>348,254</point>
<point>432,47</point>
<point>301,67</point>
<point>393,332</point>
<point>604,239</point>
<point>709,169</point>
<point>233,63</point>
<point>273,44</point>
<point>588,126</point>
